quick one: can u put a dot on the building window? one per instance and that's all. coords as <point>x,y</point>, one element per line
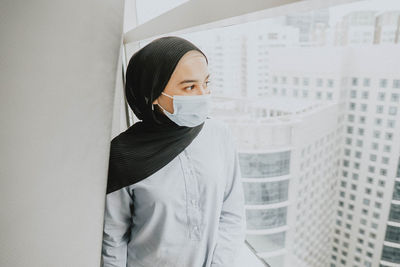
<point>392,110</point>
<point>395,97</point>
<point>396,83</point>
<point>264,165</point>
<point>371,169</point>
<point>390,123</point>
<point>266,219</point>
<point>266,193</point>
<point>375,146</point>
<point>363,107</point>
<point>383,83</point>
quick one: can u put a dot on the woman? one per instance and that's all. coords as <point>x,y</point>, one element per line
<point>174,195</point>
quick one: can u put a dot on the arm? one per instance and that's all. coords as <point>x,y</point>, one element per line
<point>232,224</point>
<point>117,223</point>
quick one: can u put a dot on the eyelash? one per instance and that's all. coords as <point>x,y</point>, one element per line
<point>207,82</point>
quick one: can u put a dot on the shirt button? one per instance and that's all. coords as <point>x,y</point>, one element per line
<point>194,202</point>
<point>195,228</point>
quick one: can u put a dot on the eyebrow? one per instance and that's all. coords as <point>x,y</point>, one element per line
<point>191,81</point>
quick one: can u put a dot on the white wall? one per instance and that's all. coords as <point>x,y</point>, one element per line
<point>58,69</point>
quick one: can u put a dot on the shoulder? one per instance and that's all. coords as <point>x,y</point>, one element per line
<point>220,129</point>
<point>217,125</point>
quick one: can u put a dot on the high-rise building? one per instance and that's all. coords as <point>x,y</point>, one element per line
<point>387,28</point>
<point>366,87</point>
<point>288,157</point>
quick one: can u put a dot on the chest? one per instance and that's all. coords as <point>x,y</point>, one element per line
<point>196,177</point>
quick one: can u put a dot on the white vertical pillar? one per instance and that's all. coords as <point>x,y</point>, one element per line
<point>58,69</point>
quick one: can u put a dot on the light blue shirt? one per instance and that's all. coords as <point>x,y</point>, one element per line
<point>190,213</point>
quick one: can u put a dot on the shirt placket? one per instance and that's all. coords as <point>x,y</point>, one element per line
<point>192,200</point>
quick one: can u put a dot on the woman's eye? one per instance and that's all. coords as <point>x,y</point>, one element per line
<point>207,82</point>
<point>190,87</point>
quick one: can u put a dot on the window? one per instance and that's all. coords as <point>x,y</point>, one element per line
<point>377,134</point>
<point>390,123</point>
<point>350,117</point>
<point>375,146</point>
<point>364,107</point>
<point>392,110</point>
<point>383,83</point>
<point>394,97</point>
<point>264,165</point>
<point>396,83</point>
<point>267,165</point>
<point>385,160</point>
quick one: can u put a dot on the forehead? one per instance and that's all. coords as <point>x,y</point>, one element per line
<point>193,63</point>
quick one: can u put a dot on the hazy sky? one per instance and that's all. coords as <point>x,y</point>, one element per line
<point>381,5</point>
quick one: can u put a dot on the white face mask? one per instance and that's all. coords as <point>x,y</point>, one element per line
<point>189,111</point>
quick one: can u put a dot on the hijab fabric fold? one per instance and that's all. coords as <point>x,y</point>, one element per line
<point>149,144</point>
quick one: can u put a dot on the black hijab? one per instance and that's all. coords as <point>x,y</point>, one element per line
<point>149,144</point>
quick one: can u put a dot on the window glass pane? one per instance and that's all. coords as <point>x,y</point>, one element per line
<point>393,234</point>
<point>265,193</point>
<point>267,243</point>
<point>262,72</point>
<point>264,165</point>
<point>396,191</point>
<point>394,214</point>
<point>258,219</point>
<point>391,254</point>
